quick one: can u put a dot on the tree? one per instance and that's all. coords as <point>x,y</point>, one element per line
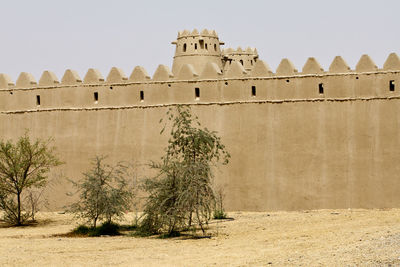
<point>23,165</point>
<point>104,192</point>
<point>181,193</point>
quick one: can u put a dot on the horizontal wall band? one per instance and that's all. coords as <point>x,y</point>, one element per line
<point>204,104</point>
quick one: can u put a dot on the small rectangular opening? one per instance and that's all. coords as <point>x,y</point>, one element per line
<point>96,97</point>
<point>197,93</point>
<point>391,85</point>
<point>321,88</point>
<point>195,46</point>
<point>38,100</point>
<point>253,91</point>
<point>201,44</point>
<point>141,96</point>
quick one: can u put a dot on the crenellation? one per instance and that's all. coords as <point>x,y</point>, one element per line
<point>116,75</point>
<point>162,73</point>
<point>366,64</point>
<point>261,69</point>
<point>339,65</point>
<point>211,71</point>
<point>48,78</point>
<point>187,72</point>
<point>139,74</point>
<point>5,81</point>
<point>25,80</point>
<point>93,76</point>
<point>235,70</point>
<point>286,68</point>
<point>392,62</point>
<point>71,77</point>
<point>312,66</point>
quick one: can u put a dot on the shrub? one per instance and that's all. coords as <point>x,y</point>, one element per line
<point>181,193</point>
<point>104,193</point>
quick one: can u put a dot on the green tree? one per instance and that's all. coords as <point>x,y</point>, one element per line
<point>23,165</point>
<point>104,192</point>
<point>181,193</point>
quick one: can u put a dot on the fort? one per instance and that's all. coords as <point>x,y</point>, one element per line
<point>309,139</point>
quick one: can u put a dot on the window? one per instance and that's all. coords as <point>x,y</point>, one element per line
<point>321,88</point>
<point>38,100</point>
<point>197,93</point>
<point>241,62</point>
<point>184,48</point>
<point>206,47</point>
<point>141,96</point>
<point>96,97</point>
<point>251,62</point>
<point>195,46</point>
<point>215,47</point>
<point>201,44</point>
<point>253,91</point>
<point>391,86</point>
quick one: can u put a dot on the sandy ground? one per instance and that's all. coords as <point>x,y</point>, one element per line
<point>311,238</point>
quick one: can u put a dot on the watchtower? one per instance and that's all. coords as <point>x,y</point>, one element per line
<point>196,49</point>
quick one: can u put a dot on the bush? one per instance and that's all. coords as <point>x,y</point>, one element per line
<point>104,193</point>
<point>181,194</point>
<point>107,228</point>
<point>219,215</point>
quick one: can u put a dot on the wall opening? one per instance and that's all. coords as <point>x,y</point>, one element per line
<point>141,96</point>
<point>253,91</point>
<point>241,62</point>
<point>206,47</point>
<point>195,46</point>
<point>197,93</point>
<point>38,100</point>
<point>96,97</point>
<point>321,88</point>
<point>391,86</point>
<point>201,44</point>
<point>111,87</point>
<point>215,47</point>
<point>184,47</point>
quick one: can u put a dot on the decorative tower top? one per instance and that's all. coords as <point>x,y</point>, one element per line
<point>196,49</point>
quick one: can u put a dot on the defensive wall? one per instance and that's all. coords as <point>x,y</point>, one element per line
<point>298,140</point>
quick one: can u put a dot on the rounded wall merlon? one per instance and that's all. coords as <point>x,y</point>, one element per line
<point>339,65</point>
<point>392,62</point>
<point>261,69</point>
<point>312,66</point>
<point>71,77</point>
<point>48,78</point>
<point>5,81</point>
<point>139,74</point>
<point>162,73</point>
<point>211,71</point>
<point>116,75</point>
<point>25,80</point>
<point>366,64</point>
<point>286,68</point>
<point>93,76</point>
<point>187,72</point>
<point>235,70</point>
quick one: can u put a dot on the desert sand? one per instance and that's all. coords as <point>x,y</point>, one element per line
<point>302,238</point>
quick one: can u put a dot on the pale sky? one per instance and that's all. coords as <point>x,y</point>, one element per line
<point>79,34</point>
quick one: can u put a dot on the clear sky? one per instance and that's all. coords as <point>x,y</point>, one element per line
<point>79,34</point>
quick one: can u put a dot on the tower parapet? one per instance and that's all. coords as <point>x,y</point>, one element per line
<point>196,49</point>
<point>247,57</point>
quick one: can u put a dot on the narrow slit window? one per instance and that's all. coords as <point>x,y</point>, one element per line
<point>241,62</point>
<point>321,88</point>
<point>201,44</point>
<point>184,47</point>
<point>391,86</point>
<point>206,47</point>
<point>253,91</point>
<point>38,100</point>
<point>197,93</point>
<point>195,46</point>
<point>96,97</point>
<point>215,47</point>
<point>141,96</point>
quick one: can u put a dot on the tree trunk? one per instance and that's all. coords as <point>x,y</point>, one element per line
<point>19,208</point>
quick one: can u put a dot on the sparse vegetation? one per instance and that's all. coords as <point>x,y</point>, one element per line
<point>181,194</point>
<point>104,193</point>
<point>24,166</point>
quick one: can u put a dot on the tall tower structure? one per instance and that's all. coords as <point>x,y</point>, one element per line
<point>197,49</point>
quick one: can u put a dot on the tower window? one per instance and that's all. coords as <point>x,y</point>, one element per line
<point>391,86</point>
<point>38,100</point>
<point>197,93</point>
<point>253,91</point>
<point>321,88</point>
<point>195,46</point>
<point>215,47</point>
<point>96,97</point>
<point>141,96</point>
<point>241,62</point>
<point>201,44</point>
<point>184,47</point>
<point>206,47</point>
